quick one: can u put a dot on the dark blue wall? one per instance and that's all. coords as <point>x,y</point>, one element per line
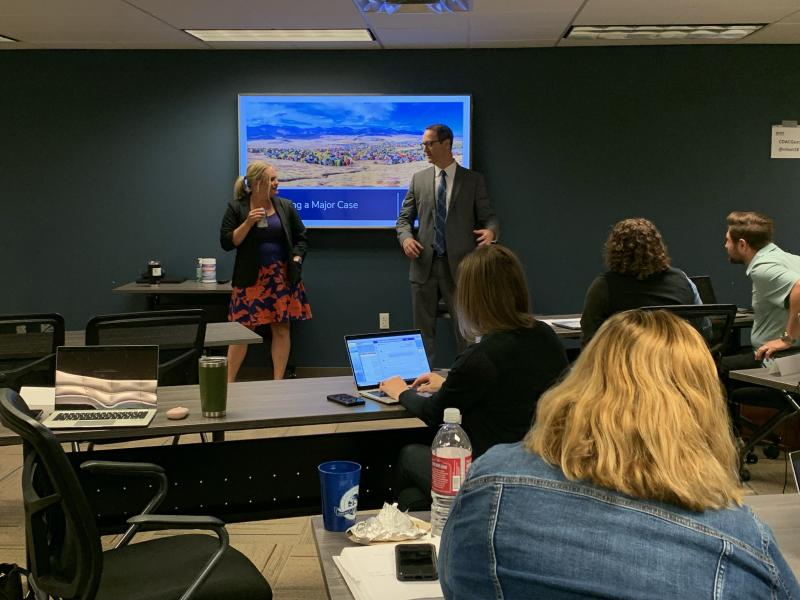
<point>111,158</point>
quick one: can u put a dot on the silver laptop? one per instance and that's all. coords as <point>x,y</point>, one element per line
<point>378,356</point>
<point>104,386</point>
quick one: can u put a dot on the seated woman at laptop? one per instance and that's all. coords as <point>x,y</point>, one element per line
<point>639,274</point>
<point>495,382</point>
<point>626,486</point>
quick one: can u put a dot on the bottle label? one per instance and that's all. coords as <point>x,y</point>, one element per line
<point>156,271</point>
<point>448,473</point>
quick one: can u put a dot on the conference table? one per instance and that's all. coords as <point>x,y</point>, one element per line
<point>188,293</point>
<point>780,511</point>
<point>790,384</point>
<point>250,405</point>
<point>246,479</point>
<point>217,335</point>
<point>743,320</point>
<point>331,543</point>
<point>760,376</point>
<point>164,289</point>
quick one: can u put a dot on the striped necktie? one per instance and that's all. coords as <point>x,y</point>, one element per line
<point>441,215</point>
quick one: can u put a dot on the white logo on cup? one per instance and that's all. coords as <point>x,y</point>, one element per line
<point>348,504</point>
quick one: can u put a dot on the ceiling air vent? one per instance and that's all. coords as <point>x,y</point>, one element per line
<point>414,6</point>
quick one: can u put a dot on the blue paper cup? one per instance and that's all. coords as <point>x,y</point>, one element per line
<point>338,480</point>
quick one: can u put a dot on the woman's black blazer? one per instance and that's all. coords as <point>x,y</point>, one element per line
<point>245,268</point>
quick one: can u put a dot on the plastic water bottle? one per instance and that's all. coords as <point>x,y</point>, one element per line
<point>451,455</point>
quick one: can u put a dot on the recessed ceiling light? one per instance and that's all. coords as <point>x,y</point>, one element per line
<point>282,35</point>
<point>7,39</point>
<point>655,32</point>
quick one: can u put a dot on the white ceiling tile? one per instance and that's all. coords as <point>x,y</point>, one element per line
<point>159,45</point>
<point>100,27</point>
<point>565,8</point>
<point>41,9</point>
<point>516,26</point>
<point>255,14</point>
<point>430,22</point>
<point>423,37</point>
<point>542,43</point>
<point>492,23</point>
<point>775,34</point>
<point>790,19</point>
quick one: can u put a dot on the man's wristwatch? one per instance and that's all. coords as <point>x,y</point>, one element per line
<point>787,339</point>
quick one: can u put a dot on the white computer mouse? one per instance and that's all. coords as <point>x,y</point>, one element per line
<point>179,412</point>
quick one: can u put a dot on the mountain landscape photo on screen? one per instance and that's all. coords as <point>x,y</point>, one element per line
<point>347,160</point>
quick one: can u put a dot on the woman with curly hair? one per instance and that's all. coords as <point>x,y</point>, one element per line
<point>639,274</point>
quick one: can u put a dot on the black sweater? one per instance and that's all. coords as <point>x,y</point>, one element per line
<point>611,293</point>
<point>496,384</point>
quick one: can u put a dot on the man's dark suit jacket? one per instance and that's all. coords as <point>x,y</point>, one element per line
<point>469,209</point>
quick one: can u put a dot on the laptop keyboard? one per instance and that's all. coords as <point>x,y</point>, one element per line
<point>378,394</point>
<point>101,415</point>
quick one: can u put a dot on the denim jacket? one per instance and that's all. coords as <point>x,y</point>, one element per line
<point>519,529</point>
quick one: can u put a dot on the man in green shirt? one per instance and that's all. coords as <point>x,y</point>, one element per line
<point>776,282</point>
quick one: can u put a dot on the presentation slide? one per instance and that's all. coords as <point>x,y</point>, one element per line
<point>346,161</point>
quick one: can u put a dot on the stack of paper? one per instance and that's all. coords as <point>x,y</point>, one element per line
<point>370,574</point>
<point>785,365</point>
<point>42,398</point>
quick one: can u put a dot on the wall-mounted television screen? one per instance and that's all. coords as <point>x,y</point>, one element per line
<point>346,161</point>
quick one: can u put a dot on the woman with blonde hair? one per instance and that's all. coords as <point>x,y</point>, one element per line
<point>626,486</point>
<point>496,381</point>
<point>270,242</point>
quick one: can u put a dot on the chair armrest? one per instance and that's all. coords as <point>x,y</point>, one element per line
<point>26,368</point>
<point>109,467</point>
<point>177,522</point>
<point>152,522</point>
<point>177,361</point>
<point>132,469</point>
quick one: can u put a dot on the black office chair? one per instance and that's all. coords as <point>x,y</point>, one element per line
<point>63,545</point>
<point>713,321</point>
<point>785,406</point>
<point>179,335</point>
<point>28,349</point>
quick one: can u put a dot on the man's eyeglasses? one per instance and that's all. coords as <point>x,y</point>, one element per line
<point>429,144</point>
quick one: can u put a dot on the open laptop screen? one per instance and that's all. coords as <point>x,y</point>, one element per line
<point>106,377</point>
<point>378,356</point>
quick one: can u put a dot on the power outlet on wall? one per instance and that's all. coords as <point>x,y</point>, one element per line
<point>383,320</point>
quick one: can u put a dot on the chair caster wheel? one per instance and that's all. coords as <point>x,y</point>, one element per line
<point>744,475</point>
<point>772,451</point>
<point>751,458</point>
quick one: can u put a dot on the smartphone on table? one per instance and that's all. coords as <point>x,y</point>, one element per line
<point>346,399</point>
<point>416,562</point>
